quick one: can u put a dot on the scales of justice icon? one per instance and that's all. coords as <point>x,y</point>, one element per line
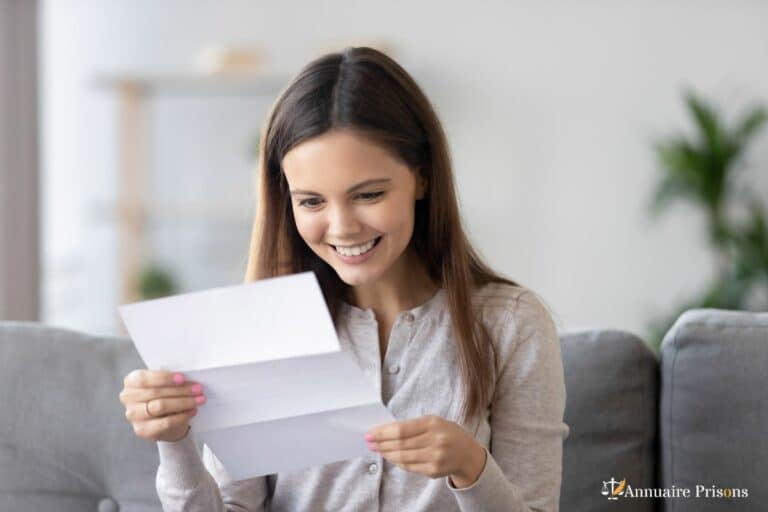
<point>613,492</point>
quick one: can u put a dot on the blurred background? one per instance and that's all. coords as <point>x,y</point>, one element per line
<point>128,134</point>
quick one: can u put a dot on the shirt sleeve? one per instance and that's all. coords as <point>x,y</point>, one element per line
<point>523,468</point>
<point>186,482</point>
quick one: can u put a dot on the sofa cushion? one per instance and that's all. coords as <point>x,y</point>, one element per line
<point>65,444</point>
<point>611,381</point>
<point>714,408</point>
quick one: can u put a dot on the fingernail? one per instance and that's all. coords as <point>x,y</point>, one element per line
<point>368,437</point>
<point>200,399</point>
<point>194,411</point>
<point>178,378</point>
<point>372,446</point>
<point>197,388</point>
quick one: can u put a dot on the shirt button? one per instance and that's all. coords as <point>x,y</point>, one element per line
<point>394,369</point>
<point>373,468</point>
<point>107,505</point>
<point>408,317</point>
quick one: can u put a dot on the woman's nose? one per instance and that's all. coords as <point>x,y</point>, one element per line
<point>343,224</point>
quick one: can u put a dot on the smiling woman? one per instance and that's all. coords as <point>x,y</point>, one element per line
<point>355,184</point>
<point>361,210</point>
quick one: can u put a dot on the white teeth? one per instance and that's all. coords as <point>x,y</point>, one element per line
<point>355,250</point>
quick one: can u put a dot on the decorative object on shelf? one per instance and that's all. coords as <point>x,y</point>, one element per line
<point>224,59</point>
<point>156,282</point>
<point>701,170</point>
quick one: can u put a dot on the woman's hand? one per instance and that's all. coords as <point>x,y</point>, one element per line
<point>159,404</point>
<point>430,446</point>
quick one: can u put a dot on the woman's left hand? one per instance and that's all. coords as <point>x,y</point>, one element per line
<point>431,446</point>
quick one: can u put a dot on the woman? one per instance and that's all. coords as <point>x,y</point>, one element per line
<point>356,185</point>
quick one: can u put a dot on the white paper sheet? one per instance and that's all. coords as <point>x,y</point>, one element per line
<point>281,395</point>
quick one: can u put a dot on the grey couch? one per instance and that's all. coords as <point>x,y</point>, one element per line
<point>696,416</point>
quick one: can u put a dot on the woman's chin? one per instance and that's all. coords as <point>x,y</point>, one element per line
<point>354,278</point>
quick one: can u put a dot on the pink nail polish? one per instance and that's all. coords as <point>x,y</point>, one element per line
<point>194,411</point>
<point>178,378</point>
<point>200,399</point>
<point>197,389</point>
<point>368,437</point>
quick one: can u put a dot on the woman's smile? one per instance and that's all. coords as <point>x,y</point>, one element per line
<point>354,249</point>
<point>357,254</point>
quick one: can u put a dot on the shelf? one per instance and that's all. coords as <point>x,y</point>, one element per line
<point>131,210</point>
<point>256,84</point>
<point>210,212</point>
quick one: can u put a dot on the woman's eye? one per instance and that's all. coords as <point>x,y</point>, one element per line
<point>310,202</point>
<point>314,202</point>
<point>370,195</point>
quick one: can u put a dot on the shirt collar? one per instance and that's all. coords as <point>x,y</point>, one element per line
<point>424,309</point>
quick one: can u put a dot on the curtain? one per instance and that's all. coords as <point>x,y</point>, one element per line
<point>19,169</point>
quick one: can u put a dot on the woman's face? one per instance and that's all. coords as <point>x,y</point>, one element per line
<point>348,193</point>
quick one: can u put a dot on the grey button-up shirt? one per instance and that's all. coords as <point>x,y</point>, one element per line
<point>522,428</point>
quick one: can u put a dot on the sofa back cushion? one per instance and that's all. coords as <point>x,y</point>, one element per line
<point>611,381</point>
<point>65,444</point>
<point>714,410</point>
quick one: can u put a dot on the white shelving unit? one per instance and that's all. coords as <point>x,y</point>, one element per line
<point>133,208</point>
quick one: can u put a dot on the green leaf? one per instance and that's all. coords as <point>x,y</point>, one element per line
<point>668,189</point>
<point>707,123</point>
<point>684,164</point>
<point>750,124</point>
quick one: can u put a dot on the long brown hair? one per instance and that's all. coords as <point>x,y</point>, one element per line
<point>362,89</point>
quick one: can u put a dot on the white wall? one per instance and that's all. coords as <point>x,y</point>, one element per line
<point>550,108</point>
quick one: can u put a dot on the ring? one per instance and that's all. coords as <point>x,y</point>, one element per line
<point>146,408</point>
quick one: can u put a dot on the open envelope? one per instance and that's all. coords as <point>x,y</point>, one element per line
<point>281,395</point>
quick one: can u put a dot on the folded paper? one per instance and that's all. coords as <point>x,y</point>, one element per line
<point>281,395</point>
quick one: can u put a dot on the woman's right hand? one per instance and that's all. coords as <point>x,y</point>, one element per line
<point>159,404</point>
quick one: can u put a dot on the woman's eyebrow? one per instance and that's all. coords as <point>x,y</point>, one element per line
<point>351,189</point>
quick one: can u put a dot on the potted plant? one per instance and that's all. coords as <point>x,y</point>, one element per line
<point>700,170</point>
